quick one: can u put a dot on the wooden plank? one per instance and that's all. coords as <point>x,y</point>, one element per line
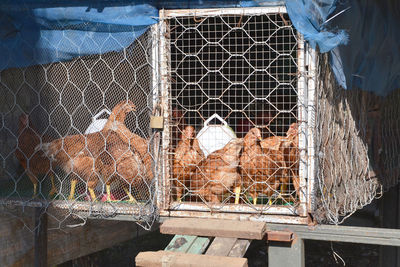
<point>221,246</point>
<point>199,246</point>
<point>188,244</point>
<point>17,242</point>
<point>214,227</point>
<point>177,259</point>
<point>240,248</point>
<point>339,233</point>
<point>40,238</point>
<point>181,243</point>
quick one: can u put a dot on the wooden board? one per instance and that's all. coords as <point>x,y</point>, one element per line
<point>181,243</point>
<point>213,227</point>
<point>188,244</point>
<point>240,248</point>
<point>221,246</point>
<point>177,259</point>
<point>17,243</point>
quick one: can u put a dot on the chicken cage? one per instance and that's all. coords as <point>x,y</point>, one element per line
<point>207,113</point>
<point>238,93</point>
<point>76,136</point>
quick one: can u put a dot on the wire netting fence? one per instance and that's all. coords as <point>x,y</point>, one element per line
<point>76,136</point>
<point>357,144</point>
<point>234,112</point>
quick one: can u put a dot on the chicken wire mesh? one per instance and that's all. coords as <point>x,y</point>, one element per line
<point>234,110</point>
<point>76,136</point>
<point>357,147</point>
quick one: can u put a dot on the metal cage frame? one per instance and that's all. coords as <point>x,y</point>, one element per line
<point>306,111</point>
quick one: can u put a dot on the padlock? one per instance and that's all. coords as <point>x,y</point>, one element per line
<point>156,122</point>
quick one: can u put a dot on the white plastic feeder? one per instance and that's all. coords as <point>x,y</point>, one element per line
<point>215,136</point>
<point>97,124</point>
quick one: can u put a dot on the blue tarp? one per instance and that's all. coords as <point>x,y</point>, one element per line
<point>40,32</point>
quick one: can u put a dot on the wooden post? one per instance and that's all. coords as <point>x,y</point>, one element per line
<point>40,237</point>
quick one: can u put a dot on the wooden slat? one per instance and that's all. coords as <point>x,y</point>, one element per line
<point>199,246</point>
<point>240,248</point>
<point>177,259</point>
<point>181,243</point>
<point>213,227</point>
<point>188,244</point>
<point>221,246</point>
<point>17,243</point>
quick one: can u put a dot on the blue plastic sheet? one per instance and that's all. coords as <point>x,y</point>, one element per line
<point>40,32</point>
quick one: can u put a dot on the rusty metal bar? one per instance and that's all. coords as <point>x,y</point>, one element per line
<point>280,236</point>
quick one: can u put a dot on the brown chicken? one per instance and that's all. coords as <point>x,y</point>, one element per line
<point>32,161</point>
<point>262,164</point>
<point>290,149</point>
<point>116,122</point>
<point>77,154</point>
<point>216,174</point>
<point>178,123</point>
<point>187,155</point>
<point>119,163</point>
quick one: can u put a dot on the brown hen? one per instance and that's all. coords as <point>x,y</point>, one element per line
<point>289,147</point>
<point>34,162</point>
<point>262,164</point>
<point>119,163</point>
<point>77,154</point>
<point>139,144</point>
<point>291,153</point>
<point>216,174</point>
<point>187,155</point>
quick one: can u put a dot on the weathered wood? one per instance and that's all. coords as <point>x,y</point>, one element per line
<point>40,238</point>
<point>17,242</point>
<point>339,233</point>
<point>212,227</point>
<point>221,246</point>
<point>188,244</point>
<point>199,246</point>
<point>177,259</point>
<point>181,243</point>
<point>240,248</point>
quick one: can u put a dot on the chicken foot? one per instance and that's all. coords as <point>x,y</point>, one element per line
<point>131,198</point>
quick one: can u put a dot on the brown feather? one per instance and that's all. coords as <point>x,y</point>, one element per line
<point>218,173</point>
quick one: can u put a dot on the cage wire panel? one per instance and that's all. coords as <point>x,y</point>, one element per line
<point>235,84</point>
<point>76,136</point>
<point>350,147</point>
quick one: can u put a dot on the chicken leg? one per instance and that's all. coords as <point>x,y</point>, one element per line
<point>35,183</point>
<point>53,189</point>
<point>131,198</point>
<point>237,194</point>
<point>72,191</point>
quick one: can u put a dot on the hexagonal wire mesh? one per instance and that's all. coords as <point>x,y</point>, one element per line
<point>48,157</point>
<point>235,105</point>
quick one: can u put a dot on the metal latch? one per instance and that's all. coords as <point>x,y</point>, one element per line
<point>156,122</point>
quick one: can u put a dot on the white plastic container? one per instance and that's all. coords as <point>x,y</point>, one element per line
<point>97,124</point>
<point>214,136</point>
